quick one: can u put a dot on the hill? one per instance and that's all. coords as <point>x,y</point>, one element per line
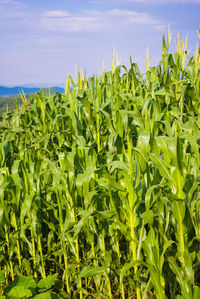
<point>10,91</point>
<point>8,102</point>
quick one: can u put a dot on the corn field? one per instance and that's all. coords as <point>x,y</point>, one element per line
<point>101,185</point>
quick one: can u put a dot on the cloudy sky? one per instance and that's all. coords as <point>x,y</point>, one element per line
<point>41,41</point>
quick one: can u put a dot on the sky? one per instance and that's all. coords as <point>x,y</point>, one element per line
<point>41,41</point>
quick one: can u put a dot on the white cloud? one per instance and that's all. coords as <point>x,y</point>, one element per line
<point>93,20</point>
<point>133,16</point>
<point>56,13</point>
<point>64,21</point>
<point>12,2</point>
<point>12,9</point>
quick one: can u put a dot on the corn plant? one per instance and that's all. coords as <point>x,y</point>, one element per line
<point>99,186</point>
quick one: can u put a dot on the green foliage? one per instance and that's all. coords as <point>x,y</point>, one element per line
<point>9,103</point>
<point>26,287</point>
<point>100,185</point>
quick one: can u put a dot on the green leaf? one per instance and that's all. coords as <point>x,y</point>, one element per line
<point>148,217</point>
<point>162,145</point>
<point>196,292</point>
<point>126,267</point>
<point>85,177</point>
<point>105,215</point>
<point>177,271</point>
<point>65,163</point>
<point>50,295</point>
<point>27,282</point>
<point>163,169</point>
<point>84,219</point>
<point>155,278</point>
<point>160,164</point>
<point>91,272</point>
<point>19,292</point>
<point>118,165</point>
<point>2,277</point>
<point>48,282</point>
<point>167,244</point>
<point>162,92</point>
<point>143,147</point>
<point>46,295</point>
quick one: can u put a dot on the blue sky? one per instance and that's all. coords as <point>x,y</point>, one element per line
<point>41,41</point>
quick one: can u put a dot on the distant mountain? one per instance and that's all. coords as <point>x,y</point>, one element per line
<point>9,91</point>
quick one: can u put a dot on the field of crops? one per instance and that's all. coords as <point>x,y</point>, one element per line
<point>100,186</point>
